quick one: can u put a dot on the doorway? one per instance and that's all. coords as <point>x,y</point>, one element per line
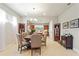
<point>56,32</point>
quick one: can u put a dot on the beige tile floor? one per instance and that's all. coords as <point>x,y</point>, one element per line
<point>52,49</point>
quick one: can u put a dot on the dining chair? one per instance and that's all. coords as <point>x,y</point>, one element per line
<point>24,34</point>
<point>21,42</point>
<point>35,43</point>
<point>44,39</point>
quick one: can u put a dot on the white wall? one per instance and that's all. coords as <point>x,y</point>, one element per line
<point>2,39</point>
<point>7,29</point>
<point>10,31</point>
<point>2,25</point>
<point>51,29</point>
<point>70,14</point>
<point>53,21</point>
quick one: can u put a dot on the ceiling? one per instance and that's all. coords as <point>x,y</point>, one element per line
<point>38,9</point>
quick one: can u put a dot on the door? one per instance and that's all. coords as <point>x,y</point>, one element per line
<point>57,32</point>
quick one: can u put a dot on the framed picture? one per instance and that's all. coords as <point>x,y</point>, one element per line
<point>65,25</point>
<point>74,23</point>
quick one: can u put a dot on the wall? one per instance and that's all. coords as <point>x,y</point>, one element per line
<point>53,21</point>
<point>10,31</point>
<point>2,39</point>
<point>2,30</point>
<point>70,14</point>
<point>7,29</point>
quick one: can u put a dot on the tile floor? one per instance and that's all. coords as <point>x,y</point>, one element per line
<point>52,49</point>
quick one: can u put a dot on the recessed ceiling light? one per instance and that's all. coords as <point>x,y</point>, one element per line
<point>33,8</point>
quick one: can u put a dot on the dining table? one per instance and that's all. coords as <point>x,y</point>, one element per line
<point>28,37</point>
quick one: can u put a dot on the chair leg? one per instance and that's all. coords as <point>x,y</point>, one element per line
<point>31,52</point>
<point>45,44</point>
<point>21,50</point>
<point>18,47</point>
<point>33,49</point>
<point>40,51</point>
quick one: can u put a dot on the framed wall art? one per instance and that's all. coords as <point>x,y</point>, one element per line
<point>65,25</point>
<point>74,23</point>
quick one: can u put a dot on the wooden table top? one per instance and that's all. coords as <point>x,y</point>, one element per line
<point>28,36</point>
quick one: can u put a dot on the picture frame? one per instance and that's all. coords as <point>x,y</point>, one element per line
<point>65,25</point>
<point>74,23</point>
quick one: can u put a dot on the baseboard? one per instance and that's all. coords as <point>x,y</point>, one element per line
<point>76,50</point>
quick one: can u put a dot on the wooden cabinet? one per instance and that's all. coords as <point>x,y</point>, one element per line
<point>57,32</point>
<point>21,28</point>
<point>46,27</point>
<point>67,41</point>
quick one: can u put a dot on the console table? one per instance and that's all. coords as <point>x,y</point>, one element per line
<point>67,41</point>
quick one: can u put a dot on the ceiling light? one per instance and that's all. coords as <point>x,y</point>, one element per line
<point>33,8</point>
<point>35,19</point>
<point>31,19</point>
